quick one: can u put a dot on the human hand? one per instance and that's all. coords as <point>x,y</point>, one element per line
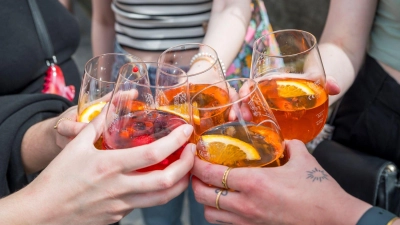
<point>299,191</point>
<point>67,127</point>
<point>332,86</point>
<point>83,185</point>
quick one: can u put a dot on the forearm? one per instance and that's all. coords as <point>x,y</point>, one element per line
<point>103,32</point>
<point>18,209</point>
<point>338,65</point>
<point>345,210</point>
<point>227,27</point>
<point>39,146</point>
<point>344,40</point>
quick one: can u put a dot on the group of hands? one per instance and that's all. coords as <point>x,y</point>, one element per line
<point>84,185</point>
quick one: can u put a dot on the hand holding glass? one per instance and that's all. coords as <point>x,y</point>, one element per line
<point>239,132</point>
<point>291,76</point>
<point>98,82</point>
<point>140,113</point>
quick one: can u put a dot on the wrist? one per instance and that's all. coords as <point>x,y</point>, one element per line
<point>377,216</point>
<point>210,58</point>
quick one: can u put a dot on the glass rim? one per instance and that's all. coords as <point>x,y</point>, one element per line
<point>229,89</point>
<point>197,44</point>
<point>183,74</point>
<point>90,61</point>
<point>283,31</point>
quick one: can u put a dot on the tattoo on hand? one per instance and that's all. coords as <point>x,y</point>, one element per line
<point>222,222</point>
<point>317,175</point>
<point>224,191</point>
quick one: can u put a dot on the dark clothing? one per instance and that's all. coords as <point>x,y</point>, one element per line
<point>22,71</point>
<point>22,59</point>
<point>368,117</point>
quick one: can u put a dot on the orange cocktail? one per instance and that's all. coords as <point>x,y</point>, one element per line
<point>291,76</point>
<point>238,132</point>
<point>300,106</point>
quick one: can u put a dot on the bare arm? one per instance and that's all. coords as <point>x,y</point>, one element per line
<point>344,40</point>
<point>103,32</point>
<point>227,27</point>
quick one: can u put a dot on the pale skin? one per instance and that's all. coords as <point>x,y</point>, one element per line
<point>83,185</point>
<point>35,155</point>
<point>298,191</point>
<point>344,41</point>
<point>289,194</point>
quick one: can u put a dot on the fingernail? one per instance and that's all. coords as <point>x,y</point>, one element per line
<point>188,131</point>
<point>194,149</point>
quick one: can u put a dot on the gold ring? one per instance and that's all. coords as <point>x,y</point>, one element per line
<point>225,178</point>
<point>61,119</point>
<point>217,200</point>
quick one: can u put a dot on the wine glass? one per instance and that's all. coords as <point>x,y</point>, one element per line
<point>289,70</point>
<point>98,82</point>
<point>200,62</point>
<point>237,132</point>
<point>140,113</point>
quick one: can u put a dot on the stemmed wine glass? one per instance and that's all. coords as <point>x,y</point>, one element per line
<point>98,82</point>
<point>288,67</point>
<point>140,113</point>
<point>237,132</point>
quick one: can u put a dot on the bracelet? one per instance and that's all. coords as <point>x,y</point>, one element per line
<point>377,216</point>
<point>207,56</point>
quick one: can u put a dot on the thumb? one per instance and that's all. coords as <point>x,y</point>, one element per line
<point>295,148</point>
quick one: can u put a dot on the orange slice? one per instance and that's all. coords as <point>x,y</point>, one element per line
<point>289,89</point>
<point>226,150</point>
<point>91,112</point>
<point>180,110</point>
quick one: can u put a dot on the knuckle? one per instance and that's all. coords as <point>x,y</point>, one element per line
<point>151,156</point>
<point>206,174</point>
<point>166,182</point>
<point>198,194</point>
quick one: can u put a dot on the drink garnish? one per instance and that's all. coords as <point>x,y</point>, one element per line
<point>225,150</point>
<point>289,89</point>
<point>91,112</point>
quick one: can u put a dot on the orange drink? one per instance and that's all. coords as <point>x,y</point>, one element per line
<point>236,132</point>
<point>300,106</point>
<point>288,67</point>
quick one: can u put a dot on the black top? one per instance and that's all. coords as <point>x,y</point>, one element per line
<point>22,71</point>
<point>22,63</point>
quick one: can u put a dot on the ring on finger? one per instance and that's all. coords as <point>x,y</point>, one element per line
<point>225,178</point>
<point>217,199</point>
<point>59,121</point>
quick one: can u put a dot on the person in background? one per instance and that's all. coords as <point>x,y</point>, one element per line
<point>360,49</point>
<point>147,28</point>
<point>32,99</point>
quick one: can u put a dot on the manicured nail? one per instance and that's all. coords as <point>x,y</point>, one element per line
<point>188,130</point>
